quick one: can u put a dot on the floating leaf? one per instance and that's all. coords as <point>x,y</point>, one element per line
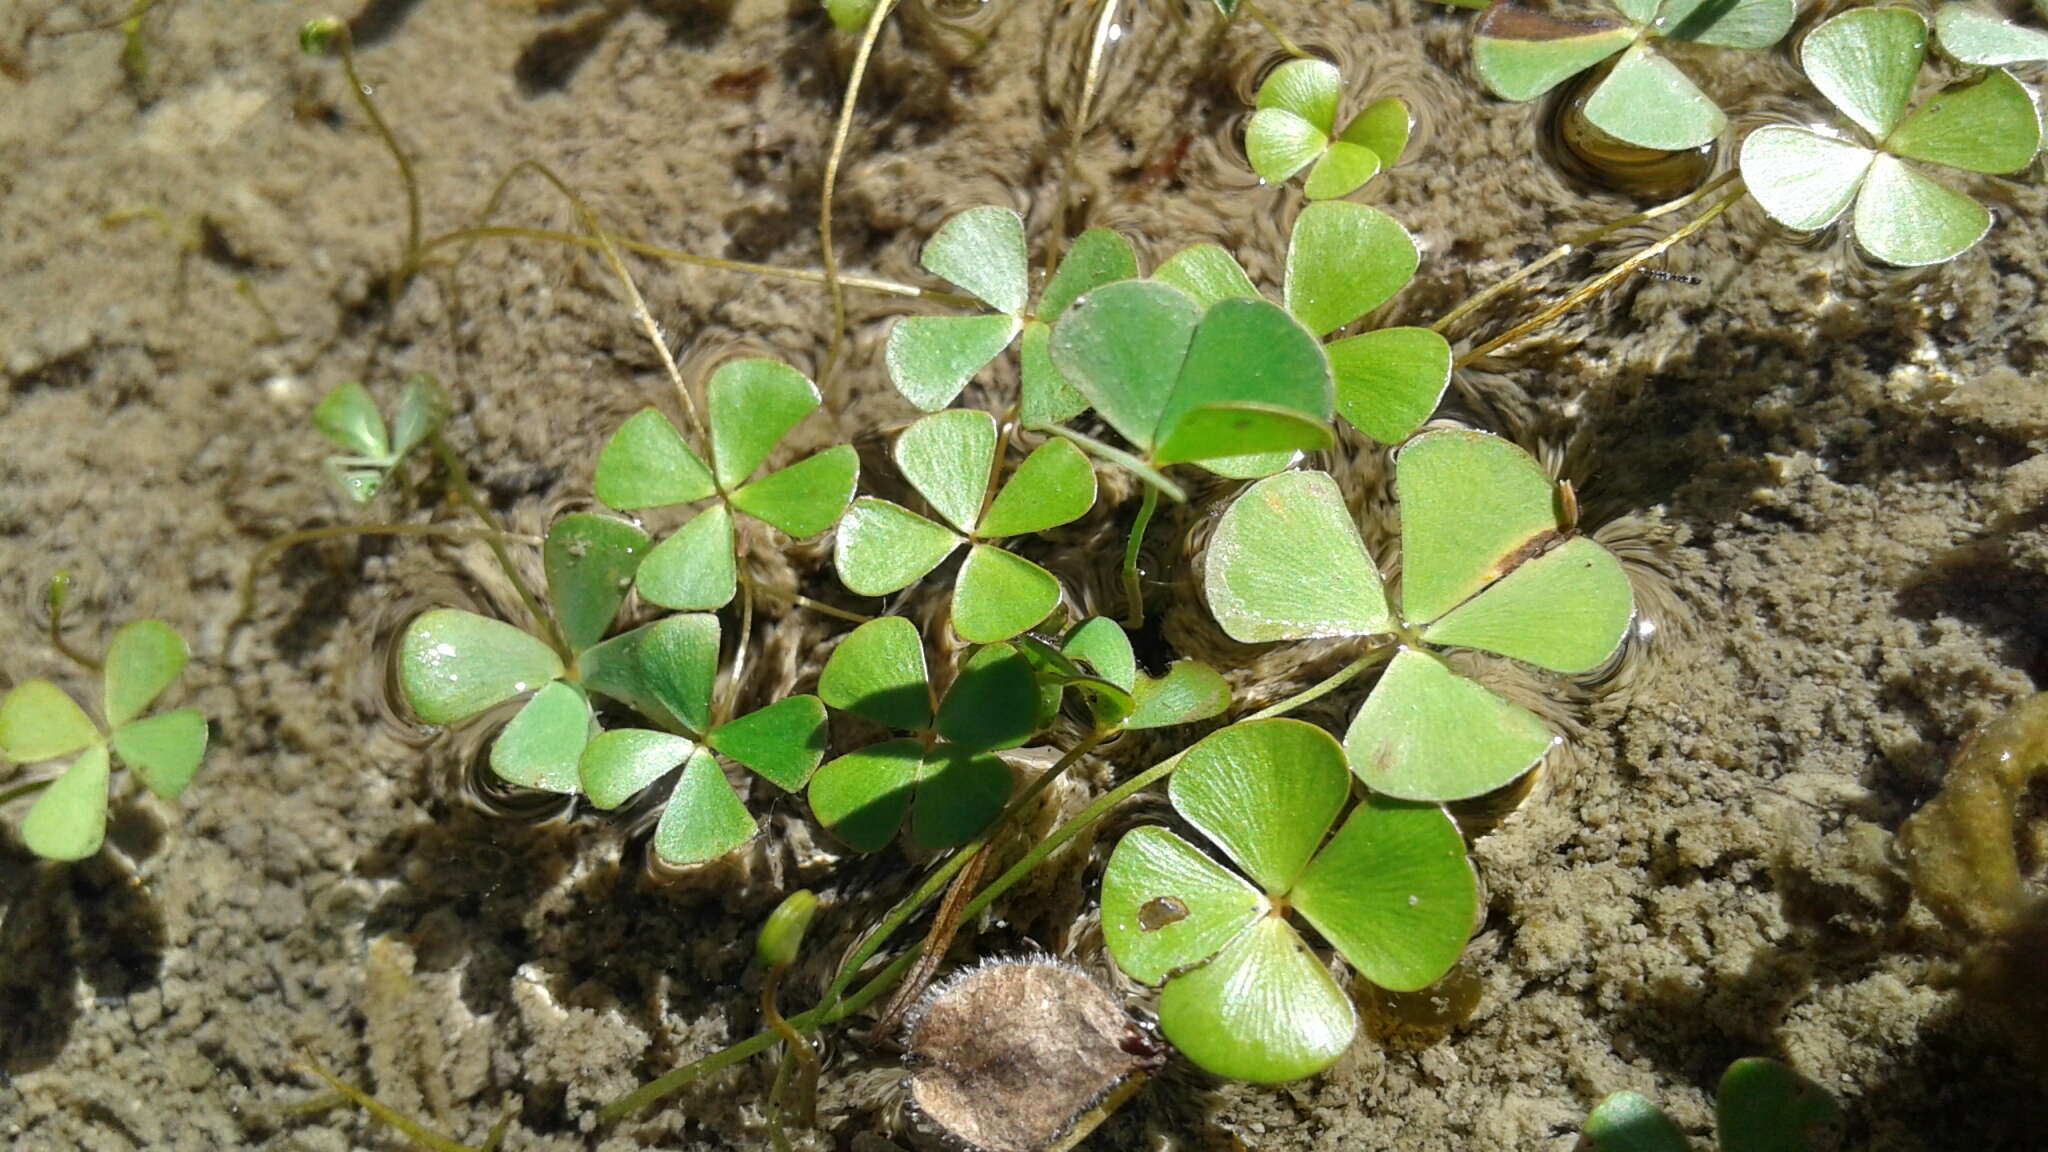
<point>618,764</point>
<point>1264,1010</point>
<point>1382,126</point>
<point>1393,892</point>
<point>454,664</point>
<point>1802,179</point>
<point>878,671</point>
<point>1647,101</point>
<point>590,561</point>
<point>1427,733</point>
<point>1253,381</point>
<point>704,818</point>
<point>695,568</point>
<point>1189,691</point>
<point>1751,24</point>
<point>999,594</point>
<point>1865,61</point>
<point>959,793</point>
<point>69,820</point>
<point>163,751</point>
<point>883,548</point>
<point>664,670</point>
<point>1343,261</point>
<point>1167,907</point>
<point>1343,169</point>
<point>1279,144</point>
<point>1625,1122</point>
<point>993,702</point>
<point>931,358</point>
<point>1566,610</point>
<point>862,797</point>
<point>1521,53</point>
<point>1470,504</point>
<point>40,721</point>
<point>1121,347</point>
<point>143,659</point>
<point>807,497</point>
<point>1765,1106</point>
<point>542,746</point>
<point>1974,36</point>
<point>646,465</point>
<point>1096,257</point>
<point>1908,219</point>
<point>1390,381</point>
<point>1988,126</point>
<point>783,743</point>
<point>947,457</point>
<point>754,403</point>
<point>1047,398</point>
<point>1266,792</point>
<point>1208,275</point>
<point>982,251</point>
<point>1053,486</point>
<point>1307,89</point>
<point>1280,528</point>
<point>349,417</point>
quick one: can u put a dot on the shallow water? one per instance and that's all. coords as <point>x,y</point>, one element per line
<point>1826,477</point>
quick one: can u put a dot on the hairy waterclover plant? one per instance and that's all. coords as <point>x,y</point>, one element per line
<point>1762,1106</point>
<point>349,417</point>
<point>1244,997</point>
<point>1485,564</point>
<point>944,777</point>
<point>1865,61</point>
<point>1971,35</point>
<point>753,404</point>
<point>948,457</point>
<point>1295,126</point>
<point>40,721</point>
<point>982,251</point>
<point>1645,99</point>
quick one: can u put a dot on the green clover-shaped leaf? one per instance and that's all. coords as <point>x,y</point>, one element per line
<point>590,561</point>
<point>453,664</point>
<point>1295,126</point>
<point>1626,1122</point>
<point>980,250</point>
<point>947,457</point>
<point>1866,61</point>
<point>703,819</point>
<point>753,404</point>
<point>1244,997</point>
<point>1644,99</point>
<point>348,417</point>
<point>69,820</point>
<point>1973,36</point>
<point>1765,1106</point>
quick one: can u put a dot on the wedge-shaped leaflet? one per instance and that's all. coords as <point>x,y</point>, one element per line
<point>1906,218</point>
<point>1751,24</point>
<point>1974,36</point>
<point>1390,381</point>
<point>981,250</point>
<point>40,721</point>
<point>1626,1122</point>
<point>783,743</point>
<point>883,548</point>
<point>1802,179</point>
<point>1521,53</point>
<point>992,702</point>
<point>1279,529</point>
<point>143,659</point>
<point>454,664</point>
<point>1472,505</point>
<point>878,672</point>
<point>1865,61</point>
<point>704,818</point>
<point>164,750</point>
<point>543,745</point>
<point>1097,257</point>
<point>1393,892</point>
<point>618,764</point>
<point>1654,104</point>
<point>999,595</point>
<point>664,670</point>
<point>1167,907</point>
<point>1295,126</point>
<point>1266,792</point>
<point>1186,385</point>
<point>1765,1106</point>
<point>646,464</point>
<point>1189,691</point>
<point>1987,126</point>
<point>1343,261</point>
<point>1566,610</point>
<point>694,568</point>
<point>1207,274</point>
<point>69,820</point>
<point>1427,733</point>
<point>949,793</point>
<point>1264,1010</point>
<point>590,562</point>
<point>349,417</point>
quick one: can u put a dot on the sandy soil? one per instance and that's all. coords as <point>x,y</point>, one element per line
<point>1829,478</point>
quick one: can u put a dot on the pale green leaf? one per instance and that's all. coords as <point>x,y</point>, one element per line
<point>884,548</point>
<point>1865,61</point>
<point>959,793</point>
<point>947,457</point>
<point>982,251</point>
<point>1640,11</point>
<point>1649,102</point>
<point>878,671</point>
<point>1393,892</point>
<point>704,818</point>
<point>1264,1010</point>
<point>1189,691</point>
<point>862,797</point>
<point>1266,792</point>
<point>163,751</point>
<point>1765,1106</point>
<point>616,765</point>
<point>1121,346</point>
<point>783,743</point>
<point>1905,218</point>
<point>1975,36</point>
<point>1167,907</point>
<point>1207,274</point>
<point>807,497</point>
<point>1096,257</point>
<point>993,701</point>
<point>590,562</point>
<point>1625,1122</point>
<point>664,670</point>
<point>695,568</point>
<point>143,659</point>
<point>1107,649</point>
<point>422,409</point>
<point>1802,179</point>
<point>1521,53</point>
<point>754,403</point>
<point>1427,733</point>
<point>40,721</point>
<point>1344,169</point>
<point>1278,530</point>
<point>454,664</point>
<point>542,746</point>
<point>1469,502</point>
<point>1053,486</point>
<point>1390,381</point>
<point>931,358</point>
<point>1988,126</point>
<point>349,417</point>
<point>1309,89</point>
<point>1343,261</point>
<point>646,465</point>
<point>1278,143</point>
<point>1566,610</point>
<point>1751,24</point>
<point>1383,127</point>
<point>850,16</point>
<point>69,820</point>
<point>1047,398</point>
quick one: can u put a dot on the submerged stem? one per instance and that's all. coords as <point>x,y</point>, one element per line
<point>9,795</point>
<point>868,37</point>
<point>345,45</point>
<point>1320,689</point>
<point>800,1050</point>
<point>1134,593</point>
<point>418,1133</point>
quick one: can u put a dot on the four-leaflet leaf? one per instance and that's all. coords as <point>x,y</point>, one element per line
<point>1295,127</point>
<point>1244,997</point>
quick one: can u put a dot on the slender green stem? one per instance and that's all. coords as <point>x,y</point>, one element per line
<point>868,36</point>
<point>418,1133</point>
<point>746,636</point>
<point>465,493</point>
<point>1605,280</point>
<point>9,795</point>
<point>1286,45</point>
<point>55,599</point>
<point>1322,688</point>
<point>799,1048</point>
<point>345,43</point>
<point>1134,592</point>
<point>832,610</point>
<point>1122,459</point>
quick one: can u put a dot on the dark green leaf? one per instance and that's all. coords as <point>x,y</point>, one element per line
<point>993,702</point>
<point>878,671</point>
<point>783,742</point>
